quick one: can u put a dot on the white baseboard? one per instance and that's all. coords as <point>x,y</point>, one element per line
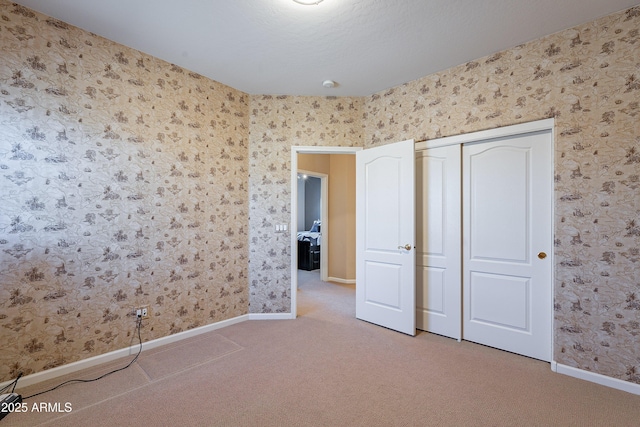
<point>339,280</point>
<point>271,316</point>
<point>117,354</point>
<point>596,378</point>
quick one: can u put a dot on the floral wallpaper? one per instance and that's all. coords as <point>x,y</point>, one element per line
<point>123,183</point>
<point>277,124</point>
<point>128,181</point>
<point>588,79</point>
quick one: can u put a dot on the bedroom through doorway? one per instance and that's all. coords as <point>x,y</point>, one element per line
<point>323,245</point>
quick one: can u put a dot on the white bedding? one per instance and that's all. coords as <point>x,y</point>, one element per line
<point>311,236</point>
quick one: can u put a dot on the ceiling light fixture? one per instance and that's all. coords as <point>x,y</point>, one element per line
<point>308,2</point>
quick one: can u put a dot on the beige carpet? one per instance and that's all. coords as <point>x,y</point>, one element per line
<point>177,358</point>
<point>328,369</point>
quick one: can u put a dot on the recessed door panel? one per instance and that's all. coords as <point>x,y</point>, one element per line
<point>383,176</point>
<point>499,180</point>
<point>389,295</point>
<point>511,310</point>
<point>431,204</point>
<point>431,298</point>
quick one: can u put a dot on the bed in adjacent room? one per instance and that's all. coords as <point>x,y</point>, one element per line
<point>309,247</point>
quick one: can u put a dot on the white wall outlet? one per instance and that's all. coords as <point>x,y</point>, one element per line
<point>142,312</point>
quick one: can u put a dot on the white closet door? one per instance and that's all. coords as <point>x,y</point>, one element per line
<point>507,232</point>
<point>438,251</point>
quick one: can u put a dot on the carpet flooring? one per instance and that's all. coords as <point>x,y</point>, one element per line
<point>326,368</point>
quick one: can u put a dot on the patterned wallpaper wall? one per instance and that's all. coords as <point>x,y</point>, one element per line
<point>588,78</point>
<point>277,124</point>
<point>123,182</point>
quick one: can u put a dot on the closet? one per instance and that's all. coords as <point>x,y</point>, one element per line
<point>484,237</point>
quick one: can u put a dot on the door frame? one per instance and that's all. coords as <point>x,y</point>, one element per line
<point>295,150</point>
<point>501,132</point>
<point>506,131</point>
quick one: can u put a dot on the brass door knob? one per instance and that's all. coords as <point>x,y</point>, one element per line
<point>406,247</point>
<point>542,255</point>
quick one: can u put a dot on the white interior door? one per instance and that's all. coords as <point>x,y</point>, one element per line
<point>507,232</point>
<point>438,241</point>
<point>385,234</point>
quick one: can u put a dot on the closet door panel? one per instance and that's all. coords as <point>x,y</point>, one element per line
<point>507,198</point>
<point>438,250</point>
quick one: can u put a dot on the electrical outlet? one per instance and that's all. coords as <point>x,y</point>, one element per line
<point>142,312</point>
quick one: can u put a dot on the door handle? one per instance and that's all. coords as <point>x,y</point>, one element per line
<point>406,247</point>
<point>542,255</point>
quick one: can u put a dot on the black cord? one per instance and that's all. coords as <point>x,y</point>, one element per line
<point>94,379</point>
<point>14,382</point>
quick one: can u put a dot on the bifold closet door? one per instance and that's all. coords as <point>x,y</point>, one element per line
<point>438,247</point>
<point>507,234</point>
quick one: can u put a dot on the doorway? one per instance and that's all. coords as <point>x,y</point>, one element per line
<point>312,209</point>
<point>326,239</point>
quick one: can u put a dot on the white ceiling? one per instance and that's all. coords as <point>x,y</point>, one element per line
<point>281,47</point>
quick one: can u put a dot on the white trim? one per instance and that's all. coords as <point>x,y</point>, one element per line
<point>312,149</point>
<point>295,150</point>
<point>339,280</point>
<point>551,124</point>
<point>597,378</point>
<point>270,316</point>
<point>500,132</point>
<point>117,354</point>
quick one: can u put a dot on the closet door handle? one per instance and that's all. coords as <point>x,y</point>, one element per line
<point>406,247</point>
<point>542,255</point>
